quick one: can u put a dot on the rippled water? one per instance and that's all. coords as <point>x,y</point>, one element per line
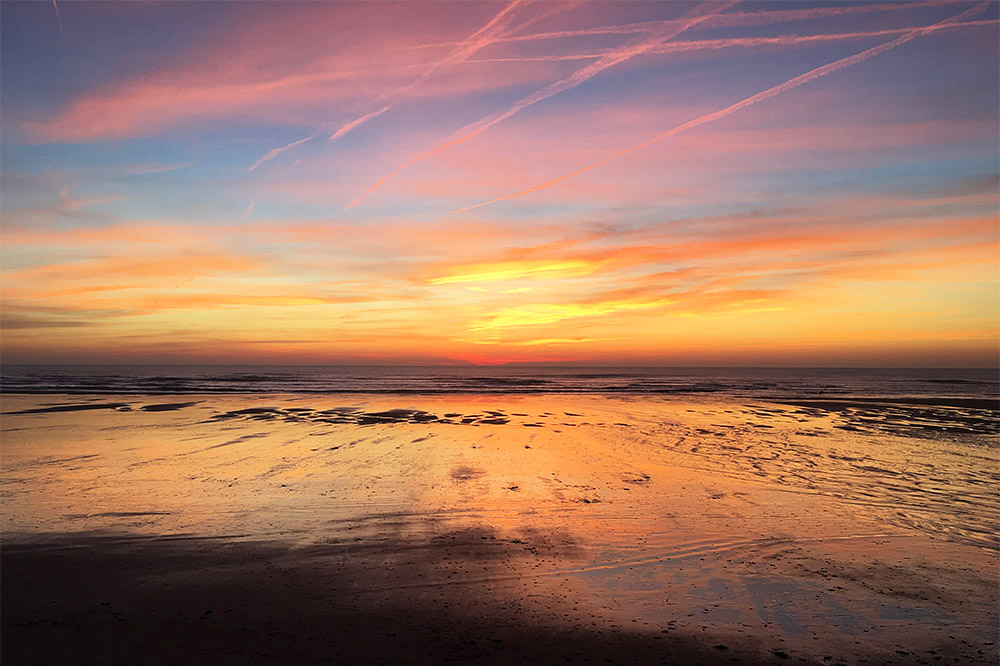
<point>777,383</point>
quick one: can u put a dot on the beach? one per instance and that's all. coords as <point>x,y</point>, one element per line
<point>498,528</point>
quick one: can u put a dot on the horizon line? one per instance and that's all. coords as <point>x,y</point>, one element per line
<point>510,364</point>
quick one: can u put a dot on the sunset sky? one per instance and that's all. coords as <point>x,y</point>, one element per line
<point>720,183</point>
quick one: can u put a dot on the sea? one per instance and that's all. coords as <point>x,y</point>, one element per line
<point>980,387</point>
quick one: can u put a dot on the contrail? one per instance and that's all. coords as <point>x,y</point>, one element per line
<point>476,41</point>
<point>485,36</point>
<point>802,79</point>
<point>745,19</point>
<point>482,37</point>
<point>274,152</point>
<point>59,18</point>
<point>747,42</point>
<point>741,19</point>
<point>513,31</point>
<point>363,119</point>
<point>620,55</point>
<point>540,17</point>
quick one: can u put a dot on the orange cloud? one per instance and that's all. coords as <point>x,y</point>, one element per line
<point>515,270</point>
<point>537,314</point>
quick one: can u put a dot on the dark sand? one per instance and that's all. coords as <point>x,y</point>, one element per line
<point>511,529</point>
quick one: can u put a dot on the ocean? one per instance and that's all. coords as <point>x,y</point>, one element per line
<point>934,385</point>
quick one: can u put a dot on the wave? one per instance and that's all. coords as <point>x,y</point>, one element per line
<point>925,386</point>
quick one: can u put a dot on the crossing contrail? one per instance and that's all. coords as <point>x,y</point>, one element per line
<point>745,42</point>
<point>802,79</point>
<point>485,36</point>
<point>476,41</point>
<point>733,19</point>
<point>553,10</point>
<point>479,39</point>
<point>692,18</point>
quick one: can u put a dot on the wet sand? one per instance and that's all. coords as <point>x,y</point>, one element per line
<point>497,529</point>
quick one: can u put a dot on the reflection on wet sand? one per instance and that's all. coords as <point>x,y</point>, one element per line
<point>443,529</point>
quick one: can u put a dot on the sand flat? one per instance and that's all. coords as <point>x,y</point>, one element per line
<point>636,528</point>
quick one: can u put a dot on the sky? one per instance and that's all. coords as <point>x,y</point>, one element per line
<point>608,183</point>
